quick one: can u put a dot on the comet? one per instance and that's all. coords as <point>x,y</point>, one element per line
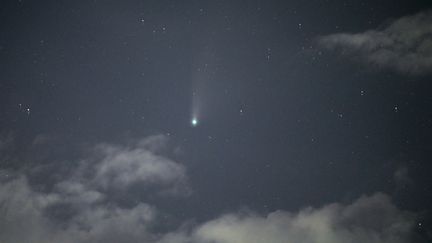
<point>194,122</point>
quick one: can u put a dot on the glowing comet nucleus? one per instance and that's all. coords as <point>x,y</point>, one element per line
<point>194,122</point>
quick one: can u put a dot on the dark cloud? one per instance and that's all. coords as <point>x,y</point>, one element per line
<point>404,45</point>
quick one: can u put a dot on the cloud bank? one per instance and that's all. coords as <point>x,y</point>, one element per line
<point>404,45</point>
<point>83,207</point>
<point>371,219</point>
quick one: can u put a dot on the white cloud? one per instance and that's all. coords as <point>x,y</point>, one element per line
<point>24,219</point>
<point>112,224</point>
<point>122,167</point>
<point>117,167</point>
<point>21,213</point>
<point>78,193</point>
<point>369,219</point>
<point>404,45</point>
<point>88,212</point>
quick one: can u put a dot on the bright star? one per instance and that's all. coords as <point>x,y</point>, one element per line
<point>194,122</point>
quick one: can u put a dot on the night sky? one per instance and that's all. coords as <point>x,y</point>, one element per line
<point>215,121</point>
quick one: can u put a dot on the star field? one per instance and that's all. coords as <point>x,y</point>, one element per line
<point>215,121</point>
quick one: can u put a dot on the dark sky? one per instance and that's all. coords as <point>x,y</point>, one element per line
<point>313,121</point>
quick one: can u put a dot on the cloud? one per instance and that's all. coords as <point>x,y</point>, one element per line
<point>24,218</point>
<point>83,207</point>
<point>21,213</point>
<point>113,167</point>
<point>404,45</point>
<point>122,167</point>
<point>371,219</point>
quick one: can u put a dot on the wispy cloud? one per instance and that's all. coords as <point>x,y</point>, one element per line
<point>404,45</point>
